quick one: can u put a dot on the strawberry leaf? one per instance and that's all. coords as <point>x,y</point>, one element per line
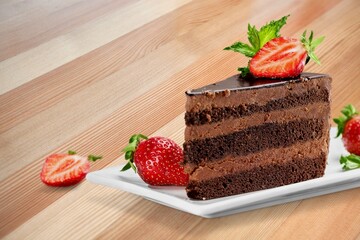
<point>132,166</point>
<point>348,112</point>
<point>93,158</point>
<point>253,37</point>
<point>126,167</point>
<point>350,162</point>
<point>242,48</point>
<point>128,155</point>
<point>131,146</point>
<point>70,152</point>
<point>310,45</point>
<point>130,149</point>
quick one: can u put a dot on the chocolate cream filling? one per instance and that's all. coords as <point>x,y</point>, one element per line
<point>233,164</point>
<point>253,139</point>
<point>258,178</point>
<point>217,114</point>
<point>227,126</point>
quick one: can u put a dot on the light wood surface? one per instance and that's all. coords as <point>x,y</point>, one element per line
<point>85,75</point>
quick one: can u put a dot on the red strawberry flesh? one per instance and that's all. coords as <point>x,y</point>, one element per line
<point>64,169</point>
<point>158,162</point>
<point>279,58</point>
<point>351,135</point>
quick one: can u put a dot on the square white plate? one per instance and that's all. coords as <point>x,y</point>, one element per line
<point>334,180</point>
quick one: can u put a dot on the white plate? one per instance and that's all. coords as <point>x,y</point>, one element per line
<point>334,180</point>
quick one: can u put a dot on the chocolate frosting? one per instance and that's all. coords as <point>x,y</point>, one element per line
<point>238,83</point>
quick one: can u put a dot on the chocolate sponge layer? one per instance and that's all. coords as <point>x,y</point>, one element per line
<point>264,177</point>
<point>218,114</point>
<point>253,139</point>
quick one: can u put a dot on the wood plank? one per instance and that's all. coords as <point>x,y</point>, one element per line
<point>28,25</point>
<point>39,60</point>
<point>120,92</point>
<point>133,80</point>
<point>99,63</point>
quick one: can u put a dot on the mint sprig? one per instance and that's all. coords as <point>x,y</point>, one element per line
<point>310,46</point>
<point>257,39</point>
<point>350,162</point>
<point>348,112</point>
<point>271,31</point>
<point>129,151</point>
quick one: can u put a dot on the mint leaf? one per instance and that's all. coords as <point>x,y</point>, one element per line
<point>244,71</point>
<point>271,30</point>
<point>253,37</point>
<point>314,57</point>
<point>242,48</point>
<point>317,42</point>
<point>350,162</point>
<point>310,45</point>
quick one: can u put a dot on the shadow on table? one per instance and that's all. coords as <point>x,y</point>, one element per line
<point>139,215</point>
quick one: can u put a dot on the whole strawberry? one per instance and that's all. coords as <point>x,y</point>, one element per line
<point>349,127</point>
<point>156,159</point>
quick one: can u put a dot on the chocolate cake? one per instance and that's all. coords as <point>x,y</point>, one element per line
<point>244,135</point>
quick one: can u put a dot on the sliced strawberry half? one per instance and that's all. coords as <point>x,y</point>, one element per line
<point>64,169</point>
<point>279,58</point>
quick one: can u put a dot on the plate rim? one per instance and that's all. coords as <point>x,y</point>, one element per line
<point>211,206</point>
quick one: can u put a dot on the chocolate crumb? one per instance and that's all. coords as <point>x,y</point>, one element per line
<point>226,93</point>
<point>208,117</point>
<point>209,94</point>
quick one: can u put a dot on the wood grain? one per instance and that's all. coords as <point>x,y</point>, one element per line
<point>85,75</point>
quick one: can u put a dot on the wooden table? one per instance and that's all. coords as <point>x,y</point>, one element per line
<point>85,75</point>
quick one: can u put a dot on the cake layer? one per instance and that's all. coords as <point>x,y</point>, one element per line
<point>262,177</point>
<point>253,139</point>
<point>231,164</point>
<point>227,126</point>
<point>217,114</point>
<point>236,91</point>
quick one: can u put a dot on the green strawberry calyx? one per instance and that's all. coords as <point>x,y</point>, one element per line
<point>348,112</point>
<point>91,158</point>
<point>130,149</point>
<point>350,162</point>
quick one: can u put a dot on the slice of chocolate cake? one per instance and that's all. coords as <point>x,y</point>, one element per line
<point>244,135</point>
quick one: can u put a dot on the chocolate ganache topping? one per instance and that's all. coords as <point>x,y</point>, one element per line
<point>238,83</point>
